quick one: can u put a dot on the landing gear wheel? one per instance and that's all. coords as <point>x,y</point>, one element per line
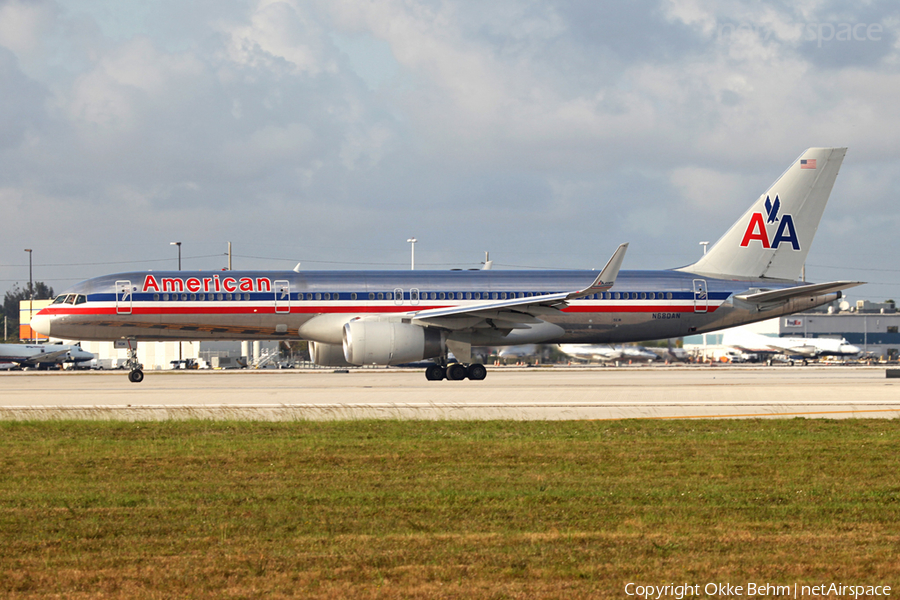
<point>456,372</point>
<point>434,373</point>
<point>476,372</point>
<point>136,376</point>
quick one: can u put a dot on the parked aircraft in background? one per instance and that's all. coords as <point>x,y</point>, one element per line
<point>794,348</point>
<point>42,355</point>
<point>671,353</point>
<point>396,317</point>
<point>608,353</point>
<point>521,351</point>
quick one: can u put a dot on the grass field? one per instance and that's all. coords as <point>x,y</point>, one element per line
<point>381,509</point>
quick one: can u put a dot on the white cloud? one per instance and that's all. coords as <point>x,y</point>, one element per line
<point>599,115</point>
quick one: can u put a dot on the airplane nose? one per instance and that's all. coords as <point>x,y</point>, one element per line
<point>850,349</point>
<point>41,324</point>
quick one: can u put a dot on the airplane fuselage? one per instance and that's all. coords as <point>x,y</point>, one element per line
<point>246,305</point>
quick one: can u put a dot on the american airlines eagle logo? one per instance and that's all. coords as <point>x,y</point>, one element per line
<point>756,228</point>
<point>772,209</point>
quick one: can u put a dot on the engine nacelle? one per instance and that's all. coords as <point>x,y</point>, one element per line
<point>328,355</point>
<point>387,343</point>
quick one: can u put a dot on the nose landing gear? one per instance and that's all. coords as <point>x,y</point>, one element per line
<point>135,372</point>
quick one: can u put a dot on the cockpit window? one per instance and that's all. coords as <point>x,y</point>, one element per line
<point>70,299</point>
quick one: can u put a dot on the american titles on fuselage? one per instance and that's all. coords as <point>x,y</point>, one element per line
<point>206,284</point>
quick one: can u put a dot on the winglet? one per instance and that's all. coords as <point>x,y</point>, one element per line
<point>607,277</point>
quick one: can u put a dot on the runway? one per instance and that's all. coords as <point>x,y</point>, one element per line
<point>675,392</point>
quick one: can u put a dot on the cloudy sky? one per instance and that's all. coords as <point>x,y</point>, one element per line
<point>328,132</point>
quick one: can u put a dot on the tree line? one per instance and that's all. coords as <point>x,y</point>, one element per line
<point>11,304</point>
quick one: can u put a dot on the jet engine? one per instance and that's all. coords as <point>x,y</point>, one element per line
<point>390,343</point>
<point>328,355</point>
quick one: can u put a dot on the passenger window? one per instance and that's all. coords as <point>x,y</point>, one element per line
<point>616,295</point>
<point>193,296</point>
<point>326,296</point>
<point>220,296</point>
<point>202,296</point>
<point>353,295</point>
<point>643,295</point>
<point>443,295</point>
<point>381,295</point>
<point>371,295</point>
<point>669,295</point>
<point>155,297</point>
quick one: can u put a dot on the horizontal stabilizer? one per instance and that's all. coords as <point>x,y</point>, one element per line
<point>815,289</point>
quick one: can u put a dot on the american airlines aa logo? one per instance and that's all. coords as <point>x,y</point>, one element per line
<point>756,228</point>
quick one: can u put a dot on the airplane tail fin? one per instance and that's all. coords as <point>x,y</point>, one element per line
<point>771,240</point>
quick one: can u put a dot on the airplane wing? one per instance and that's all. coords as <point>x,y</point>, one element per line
<point>519,313</point>
<point>44,357</point>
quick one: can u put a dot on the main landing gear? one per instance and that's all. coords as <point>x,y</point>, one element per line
<point>135,373</point>
<point>456,372</point>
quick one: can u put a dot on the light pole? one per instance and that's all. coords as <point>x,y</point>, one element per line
<point>30,296</point>
<point>179,268</point>
<point>179,252</point>
<point>412,263</point>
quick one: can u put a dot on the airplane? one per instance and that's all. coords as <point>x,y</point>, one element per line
<point>396,317</point>
<point>520,351</point>
<point>42,355</point>
<point>607,352</point>
<point>671,353</point>
<point>794,348</point>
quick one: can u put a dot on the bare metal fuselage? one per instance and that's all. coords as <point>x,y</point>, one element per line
<point>248,305</point>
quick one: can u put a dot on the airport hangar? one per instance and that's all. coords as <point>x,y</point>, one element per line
<point>874,327</point>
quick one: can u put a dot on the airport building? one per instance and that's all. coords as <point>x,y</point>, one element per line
<point>873,327</point>
<point>28,308</point>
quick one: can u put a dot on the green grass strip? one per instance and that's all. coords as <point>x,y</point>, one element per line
<point>424,509</point>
